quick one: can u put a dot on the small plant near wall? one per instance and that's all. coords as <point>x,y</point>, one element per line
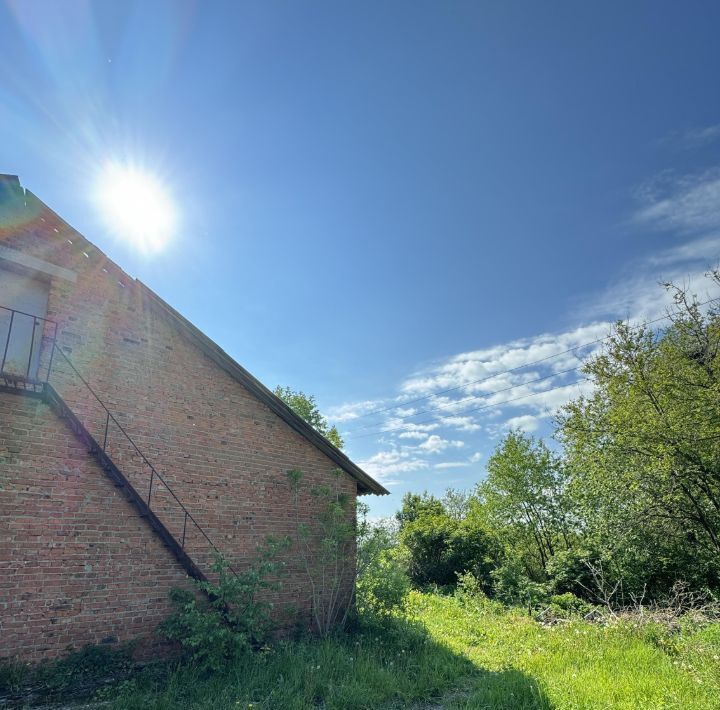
<point>229,619</point>
<point>327,551</point>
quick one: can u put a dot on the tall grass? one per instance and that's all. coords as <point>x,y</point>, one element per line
<point>446,652</point>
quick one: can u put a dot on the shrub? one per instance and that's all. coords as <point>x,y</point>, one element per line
<point>382,580</point>
<point>512,586</point>
<point>228,619</point>
<point>469,586</point>
<point>568,604</point>
<point>570,571</point>
<point>327,551</point>
<point>383,584</point>
<point>441,547</point>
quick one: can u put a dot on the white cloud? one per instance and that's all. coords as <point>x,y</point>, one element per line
<point>412,435</point>
<point>525,422</point>
<point>464,368</point>
<point>690,203</point>
<point>460,423</point>
<point>384,464</point>
<point>694,137</point>
<point>703,250</point>
<point>352,410</point>
<point>474,385</point>
<point>410,430</point>
<point>434,444</point>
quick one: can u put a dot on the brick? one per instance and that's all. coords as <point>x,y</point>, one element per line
<point>78,563</point>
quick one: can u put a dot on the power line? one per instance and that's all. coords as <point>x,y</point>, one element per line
<point>485,395</point>
<point>486,406</point>
<point>512,369</point>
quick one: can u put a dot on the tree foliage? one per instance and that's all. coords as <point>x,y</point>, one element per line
<point>523,495</point>
<point>643,450</point>
<point>305,406</point>
<point>625,508</point>
<point>441,544</point>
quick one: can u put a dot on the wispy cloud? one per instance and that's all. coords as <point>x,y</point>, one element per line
<point>705,249</point>
<point>522,383</point>
<point>525,422</point>
<point>692,138</point>
<point>350,411</point>
<point>684,204</point>
<point>469,367</point>
<point>460,423</point>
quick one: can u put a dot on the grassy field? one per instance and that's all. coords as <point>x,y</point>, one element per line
<point>446,653</point>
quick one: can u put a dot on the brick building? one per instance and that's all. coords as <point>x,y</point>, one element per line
<point>131,446</point>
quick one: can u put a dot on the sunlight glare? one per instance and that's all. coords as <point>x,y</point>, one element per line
<point>136,207</point>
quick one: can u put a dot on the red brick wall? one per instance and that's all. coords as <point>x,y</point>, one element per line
<point>77,564</point>
<point>223,452</point>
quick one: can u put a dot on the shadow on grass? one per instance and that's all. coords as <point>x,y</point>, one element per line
<point>383,663</point>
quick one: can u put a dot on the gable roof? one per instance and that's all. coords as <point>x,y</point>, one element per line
<point>366,484</point>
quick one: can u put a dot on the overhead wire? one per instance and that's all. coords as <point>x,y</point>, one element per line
<point>486,406</point>
<point>490,394</point>
<point>581,346</point>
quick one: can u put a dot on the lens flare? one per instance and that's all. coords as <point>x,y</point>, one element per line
<point>136,207</point>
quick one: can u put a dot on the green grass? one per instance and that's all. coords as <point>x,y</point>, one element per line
<point>445,653</point>
<point>579,665</point>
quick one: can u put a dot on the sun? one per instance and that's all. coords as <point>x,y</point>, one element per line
<point>136,207</point>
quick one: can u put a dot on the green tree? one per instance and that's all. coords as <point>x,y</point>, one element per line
<point>382,580</point>
<point>442,543</point>
<point>524,501</point>
<point>305,406</point>
<point>415,505</point>
<point>643,450</point>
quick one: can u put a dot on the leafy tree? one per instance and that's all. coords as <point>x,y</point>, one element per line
<point>305,406</point>
<point>457,503</point>
<point>643,450</point>
<point>523,498</point>
<point>415,505</point>
<point>441,544</point>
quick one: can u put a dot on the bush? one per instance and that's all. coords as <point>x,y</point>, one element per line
<point>227,620</point>
<point>570,572</point>
<point>568,604</point>
<point>383,584</point>
<point>511,585</point>
<point>382,580</point>
<point>442,547</point>
<point>470,592</point>
<point>326,549</point>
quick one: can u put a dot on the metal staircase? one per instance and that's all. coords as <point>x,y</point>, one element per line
<point>28,380</point>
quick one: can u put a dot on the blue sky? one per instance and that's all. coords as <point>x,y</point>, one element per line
<point>381,200</point>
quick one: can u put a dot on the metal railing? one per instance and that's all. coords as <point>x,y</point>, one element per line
<point>56,355</point>
<point>22,344</point>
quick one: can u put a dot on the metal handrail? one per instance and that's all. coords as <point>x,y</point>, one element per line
<point>153,471</point>
<point>13,312</point>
